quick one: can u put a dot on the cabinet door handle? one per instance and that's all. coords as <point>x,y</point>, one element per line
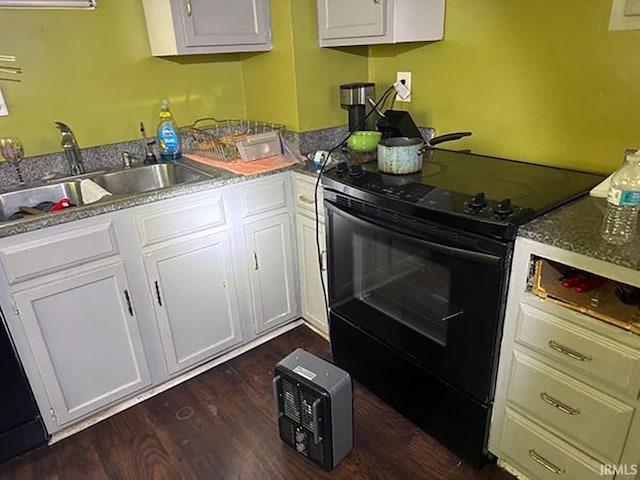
<point>158,297</point>
<point>128,298</point>
<point>568,352</point>
<point>189,11</point>
<point>563,407</point>
<point>304,199</point>
<point>323,264</point>
<point>255,261</point>
<point>536,457</point>
<point>376,2</point>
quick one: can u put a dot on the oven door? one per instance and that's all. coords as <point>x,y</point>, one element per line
<point>431,293</point>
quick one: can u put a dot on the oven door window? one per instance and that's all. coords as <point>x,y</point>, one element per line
<point>404,281</point>
<point>437,303</point>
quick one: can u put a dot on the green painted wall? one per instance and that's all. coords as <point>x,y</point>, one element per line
<point>540,81</point>
<point>320,71</point>
<point>269,78</point>
<point>297,83</point>
<point>94,70</point>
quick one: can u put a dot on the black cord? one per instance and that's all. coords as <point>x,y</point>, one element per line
<point>393,101</point>
<point>386,97</point>
<point>315,192</point>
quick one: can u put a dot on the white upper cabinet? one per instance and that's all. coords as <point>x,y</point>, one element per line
<point>368,22</point>
<point>182,27</point>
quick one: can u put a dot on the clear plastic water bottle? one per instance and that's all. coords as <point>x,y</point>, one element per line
<point>623,202</point>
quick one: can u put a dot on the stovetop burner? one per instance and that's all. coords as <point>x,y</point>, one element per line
<point>478,193</point>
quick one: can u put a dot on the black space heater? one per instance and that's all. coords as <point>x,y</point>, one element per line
<point>314,404</point>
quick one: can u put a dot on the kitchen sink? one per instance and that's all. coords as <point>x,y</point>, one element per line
<point>128,181</point>
<point>148,177</point>
<point>10,202</point>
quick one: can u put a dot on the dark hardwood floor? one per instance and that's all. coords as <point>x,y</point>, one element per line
<point>221,425</point>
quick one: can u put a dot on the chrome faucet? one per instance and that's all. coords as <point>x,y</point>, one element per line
<point>71,149</point>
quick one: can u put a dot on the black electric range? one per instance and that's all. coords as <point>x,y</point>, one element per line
<point>476,193</point>
<point>418,271</point>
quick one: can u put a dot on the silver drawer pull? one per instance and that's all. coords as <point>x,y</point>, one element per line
<point>536,457</point>
<point>568,352</point>
<point>189,10</point>
<point>304,199</point>
<point>563,407</point>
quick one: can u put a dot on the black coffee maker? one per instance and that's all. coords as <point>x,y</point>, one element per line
<point>357,97</point>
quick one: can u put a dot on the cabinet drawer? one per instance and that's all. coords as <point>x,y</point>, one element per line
<point>157,224</point>
<point>542,455</point>
<point>576,411</point>
<point>263,196</point>
<point>580,349</point>
<point>305,197</point>
<point>33,256</point>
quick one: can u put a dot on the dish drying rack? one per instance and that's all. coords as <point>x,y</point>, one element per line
<point>217,139</point>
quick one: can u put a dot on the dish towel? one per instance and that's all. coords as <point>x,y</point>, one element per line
<point>602,189</point>
<point>241,167</point>
<point>91,191</point>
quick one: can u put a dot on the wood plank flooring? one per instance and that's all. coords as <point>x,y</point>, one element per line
<point>221,425</point>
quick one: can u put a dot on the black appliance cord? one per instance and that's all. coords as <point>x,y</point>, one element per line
<point>315,194</point>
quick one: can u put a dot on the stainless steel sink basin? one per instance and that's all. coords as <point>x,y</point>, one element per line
<point>123,182</point>
<point>148,177</point>
<point>10,202</point>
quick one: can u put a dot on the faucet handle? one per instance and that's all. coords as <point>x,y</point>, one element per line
<point>126,159</point>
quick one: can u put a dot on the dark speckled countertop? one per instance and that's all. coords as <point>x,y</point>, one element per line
<point>576,227</point>
<point>220,178</point>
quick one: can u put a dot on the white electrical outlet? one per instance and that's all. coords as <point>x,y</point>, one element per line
<point>4,110</point>
<point>403,95</point>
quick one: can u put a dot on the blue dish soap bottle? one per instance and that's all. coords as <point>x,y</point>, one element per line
<point>168,138</point>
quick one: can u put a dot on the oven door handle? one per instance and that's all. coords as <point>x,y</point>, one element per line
<point>383,226</point>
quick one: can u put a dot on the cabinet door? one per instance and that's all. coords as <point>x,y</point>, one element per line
<point>271,260</point>
<point>195,299</point>
<point>84,336</point>
<point>223,23</point>
<point>355,18</point>
<point>311,294</point>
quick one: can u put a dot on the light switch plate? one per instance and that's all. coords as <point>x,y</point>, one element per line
<point>623,15</point>
<point>4,110</point>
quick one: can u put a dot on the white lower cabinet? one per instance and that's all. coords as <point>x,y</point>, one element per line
<point>193,286</point>
<point>130,299</point>
<point>83,333</point>
<point>270,257</point>
<point>542,455</point>
<point>566,402</point>
<point>312,265</point>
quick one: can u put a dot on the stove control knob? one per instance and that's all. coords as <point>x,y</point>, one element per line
<point>342,168</point>
<point>503,207</point>
<point>478,201</point>
<point>356,171</point>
